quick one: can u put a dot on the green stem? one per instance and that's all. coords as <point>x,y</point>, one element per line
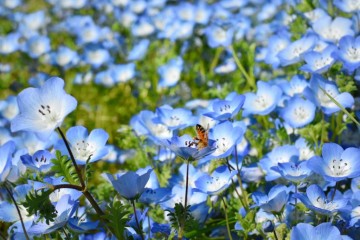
<point>83,186</point>
<point>137,221</point>
<point>19,213</point>
<point>226,218</point>
<point>187,183</point>
<point>249,80</point>
<point>243,192</point>
<point>215,59</point>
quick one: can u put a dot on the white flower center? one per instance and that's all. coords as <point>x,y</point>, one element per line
<point>353,54</point>
<point>83,150</point>
<point>339,167</point>
<point>48,115</point>
<point>222,145</point>
<point>325,204</point>
<point>261,102</point>
<point>300,113</point>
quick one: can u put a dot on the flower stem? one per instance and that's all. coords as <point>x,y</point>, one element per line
<point>72,158</point>
<point>84,190</point>
<point>187,183</point>
<point>226,218</point>
<point>243,192</point>
<point>276,237</point>
<point>249,79</point>
<point>18,210</point>
<point>136,219</point>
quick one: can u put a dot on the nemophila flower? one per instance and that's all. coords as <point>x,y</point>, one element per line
<point>131,184</point>
<point>122,72</point>
<point>316,14</point>
<point>295,86</point>
<point>304,149</point>
<point>348,6</point>
<point>79,222</point>
<point>263,101</point>
<point>65,57</point>
<point>293,53</point>
<point>349,53</point>
<point>37,45</point>
<point>40,161</point>
<point>170,73</point>
<point>226,109</point>
<point>9,43</point>
<point>332,30</point>
<point>295,172</point>
<point>6,152</point>
<point>143,27</point>
<point>105,78</point>
<point>31,23</point>
<point>226,136</point>
<point>218,36</point>
<point>96,55</point>
<point>355,216</point>
<point>139,50</point>
<point>316,94</point>
<point>11,3</point>
<point>84,146</point>
<point>202,13</point>
<point>65,209</point>
<point>298,112</point>
<point>275,45</point>
<point>336,163</point>
<point>282,154</point>
<point>43,109</point>
<point>194,197</point>
<point>156,195</point>
<point>305,231</point>
<point>316,200</point>
<point>227,67</point>
<point>274,201</point>
<point>90,33</point>
<point>319,62</point>
<point>180,146</point>
<point>145,124</point>
<point>9,108</point>
<point>178,118</point>
<point>218,181</point>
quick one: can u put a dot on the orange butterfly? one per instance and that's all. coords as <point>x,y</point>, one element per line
<point>201,140</point>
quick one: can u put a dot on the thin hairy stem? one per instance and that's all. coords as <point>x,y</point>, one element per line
<point>137,221</point>
<point>18,210</point>
<point>226,218</point>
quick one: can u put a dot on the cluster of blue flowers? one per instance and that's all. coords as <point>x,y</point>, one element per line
<point>274,155</point>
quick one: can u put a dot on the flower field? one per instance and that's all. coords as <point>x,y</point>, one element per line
<point>163,119</point>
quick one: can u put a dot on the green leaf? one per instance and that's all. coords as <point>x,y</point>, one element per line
<point>38,202</point>
<point>117,216</point>
<point>182,220</point>
<point>63,167</point>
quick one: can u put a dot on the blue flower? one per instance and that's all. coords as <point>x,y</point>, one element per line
<point>180,146</point>
<point>122,72</point>
<point>263,101</point>
<point>332,30</point>
<point>96,55</point>
<point>295,172</point>
<point>40,161</point>
<point>319,62</point>
<point>336,163</point>
<point>215,183</point>
<point>170,73</point>
<point>226,109</point>
<point>305,231</point>
<point>348,6</point>
<point>298,112</point>
<point>84,146</point>
<point>349,53</point>
<point>218,36</point>
<point>178,118</point>
<point>65,57</point>
<point>316,200</point>
<point>295,86</point>
<point>37,46</point>
<point>274,201</point>
<point>139,50</point>
<point>315,94</point>
<point>43,109</point>
<point>275,45</point>
<point>131,184</point>
<point>9,43</point>
<point>282,154</point>
<point>9,108</point>
<point>6,152</point>
<point>293,53</point>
